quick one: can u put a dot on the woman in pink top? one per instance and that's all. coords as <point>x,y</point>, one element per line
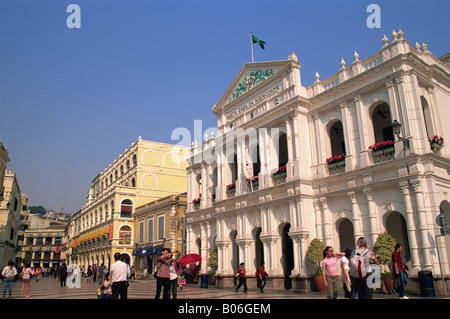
<point>27,272</point>
<point>330,272</point>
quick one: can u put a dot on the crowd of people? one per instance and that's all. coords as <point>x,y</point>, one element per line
<point>356,271</point>
<point>170,276</point>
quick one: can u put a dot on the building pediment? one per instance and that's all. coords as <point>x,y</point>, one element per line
<point>251,76</point>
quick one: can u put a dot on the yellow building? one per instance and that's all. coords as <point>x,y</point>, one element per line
<point>159,224</point>
<point>145,172</point>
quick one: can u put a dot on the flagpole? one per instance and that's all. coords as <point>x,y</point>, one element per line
<point>251,44</point>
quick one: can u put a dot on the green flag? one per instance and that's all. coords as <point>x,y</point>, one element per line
<point>256,40</point>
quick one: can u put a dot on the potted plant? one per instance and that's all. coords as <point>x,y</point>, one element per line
<point>279,174</point>
<point>383,249</point>
<point>436,143</point>
<point>196,202</point>
<point>212,262</point>
<point>314,254</point>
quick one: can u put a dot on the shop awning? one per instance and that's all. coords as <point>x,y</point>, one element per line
<point>137,251</point>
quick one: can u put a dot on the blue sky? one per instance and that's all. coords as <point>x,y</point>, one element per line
<point>72,100</point>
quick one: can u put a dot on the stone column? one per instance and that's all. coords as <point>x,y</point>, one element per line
<point>328,235</point>
<point>357,223</point>
<point>373,217</point>
<point>423,225</point>
<point>410,225</point>
<point>290,149</point>
<point>319,222</point>
<point>363,132</point>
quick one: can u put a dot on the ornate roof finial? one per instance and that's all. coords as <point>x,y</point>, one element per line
<point>394,35</point>
<point>343,63</point>
<point>425,47</point>
<point>356,56</point>
<point>317,76</point>
<point>400,34</point>
<point>293,57</point>
<point>385,40</point>
<point>417,46</point>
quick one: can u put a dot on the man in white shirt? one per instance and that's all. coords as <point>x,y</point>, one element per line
<point>119,272</point>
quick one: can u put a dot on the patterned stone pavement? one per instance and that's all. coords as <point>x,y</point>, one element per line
<point>48,288</point>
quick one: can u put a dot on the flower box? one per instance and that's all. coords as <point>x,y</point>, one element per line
<point>336,159</point>
<point>436,143</point>
<point>336,164</point>
<point>213,198</point>
<point>231,189</point>
<point>382,145</point>
<point>382,151</point>
<point>279,175</point>
<point>196,202</point>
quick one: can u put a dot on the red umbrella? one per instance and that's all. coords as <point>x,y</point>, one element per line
<point>189,259</point>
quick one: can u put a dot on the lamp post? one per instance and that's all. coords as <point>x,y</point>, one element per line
<point>396,127</point>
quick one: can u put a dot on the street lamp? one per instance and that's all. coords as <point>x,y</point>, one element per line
<point>396,127</point>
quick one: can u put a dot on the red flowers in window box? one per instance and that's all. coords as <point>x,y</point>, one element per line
<point>437,140</point>
<point>381,145</point>
<point>279,170</point>
<point>196,200</point>
<point>336,158</point>
<point>231,186</point>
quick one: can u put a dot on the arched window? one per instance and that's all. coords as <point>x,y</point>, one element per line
<point>282,150</point>
<point>427,117</point>
<point>337,139</point>
<point>382,123</point>
<point>126,208</point>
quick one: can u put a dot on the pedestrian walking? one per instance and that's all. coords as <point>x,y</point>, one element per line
<point>330,271</point>
<point>346,279</point>
<point>26,274</point>
<point>163,263</point>
<point>400,276</point>
<point>242,278</point>
<point>63,275</point>
<point>37,273</point>
<point>101,274</point>
<point>8,273</point>
<point>364,290</point>
<point>133,273</point>
<point>174,275</point>
<point>261,277</point>
<point>119,272</point>
<point>89,273</point>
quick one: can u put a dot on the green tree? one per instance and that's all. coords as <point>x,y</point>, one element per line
<point>212,260</point>
<point>37,210</point>
<point>383,249</point>
<point>314,253</point>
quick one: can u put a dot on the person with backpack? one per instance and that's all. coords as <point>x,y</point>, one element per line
<point>359,265</point>
<point>330,271</point>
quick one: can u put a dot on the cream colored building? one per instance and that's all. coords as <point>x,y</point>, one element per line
<point>159,224</point>
<point>4,159</point>
<point>10,209</point>
<point>145,172</point>
<point>44,247</point>
<point>279,180</point>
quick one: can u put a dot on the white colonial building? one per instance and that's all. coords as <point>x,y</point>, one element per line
<point>291,163</point>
